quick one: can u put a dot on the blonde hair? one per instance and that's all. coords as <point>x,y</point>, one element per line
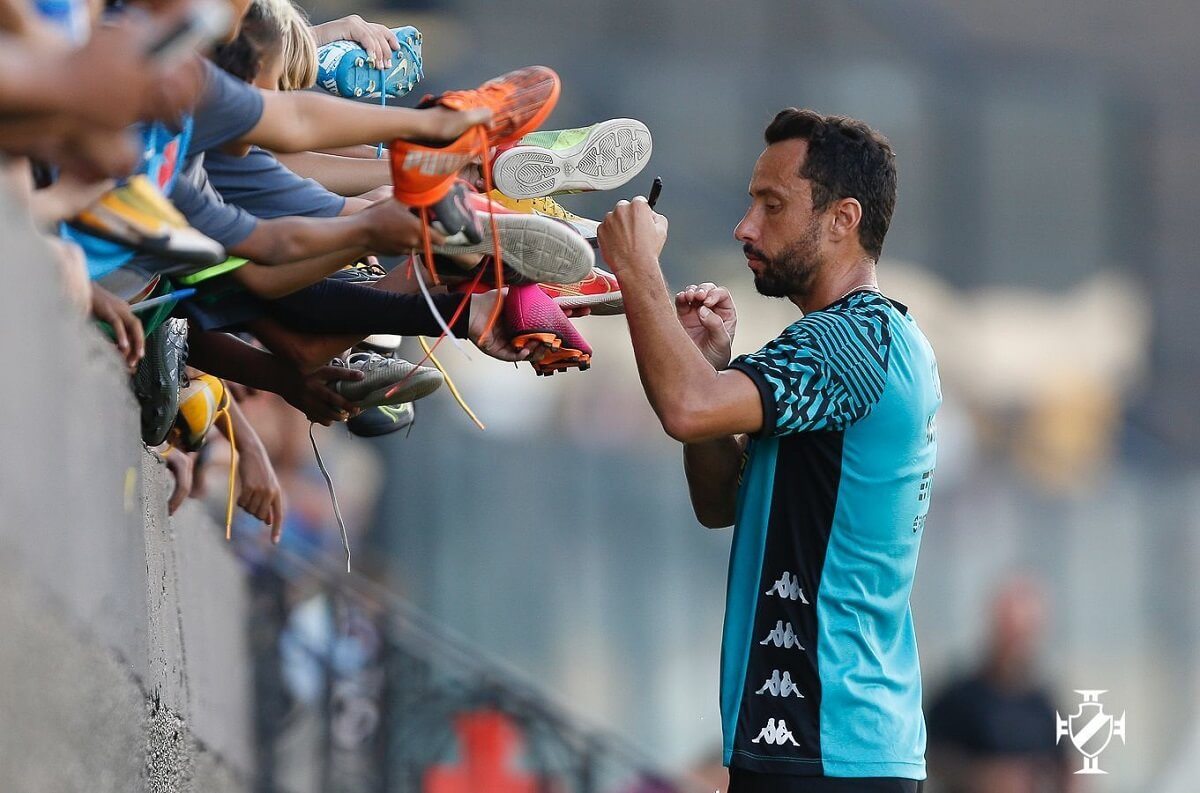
<point>299,48</point>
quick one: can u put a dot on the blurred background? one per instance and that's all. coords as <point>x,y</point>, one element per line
<point>1044,241</point>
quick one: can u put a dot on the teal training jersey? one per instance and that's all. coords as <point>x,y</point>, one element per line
<point>819,669</point>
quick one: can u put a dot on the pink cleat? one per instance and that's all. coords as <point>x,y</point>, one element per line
<point>532,315</point>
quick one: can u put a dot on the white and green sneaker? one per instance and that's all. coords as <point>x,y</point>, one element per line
<point>603,156</point>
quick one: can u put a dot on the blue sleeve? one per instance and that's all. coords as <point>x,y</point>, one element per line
<point>208,214</point>
<point>825,372</point>
<point>227,110</point>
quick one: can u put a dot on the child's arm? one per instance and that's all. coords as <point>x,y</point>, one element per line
<point>346,176</point>
<point>304,120</point>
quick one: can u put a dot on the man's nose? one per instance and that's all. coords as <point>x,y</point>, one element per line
<point>746,230</point>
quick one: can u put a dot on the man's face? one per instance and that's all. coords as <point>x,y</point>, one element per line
<point>780,233</point>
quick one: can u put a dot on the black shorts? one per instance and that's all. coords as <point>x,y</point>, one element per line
<point>749,782</point>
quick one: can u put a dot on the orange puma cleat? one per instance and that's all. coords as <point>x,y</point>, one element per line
<point>520,101</point>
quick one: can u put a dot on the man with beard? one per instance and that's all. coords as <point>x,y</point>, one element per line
<point>819,448</point>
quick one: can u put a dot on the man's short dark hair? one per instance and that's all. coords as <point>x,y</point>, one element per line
<point>846,159</point>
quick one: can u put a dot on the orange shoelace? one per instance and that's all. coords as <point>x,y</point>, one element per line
<point>427,251</point>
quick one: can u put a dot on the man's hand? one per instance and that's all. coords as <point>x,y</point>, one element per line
<point>632,234</point>
<point>313,395</point>
<point>259,492</point>
<point>127,328</point>
<point>378,40</point>
<point>708,315</point>
<point>497,344</point>
<point>393,229</point>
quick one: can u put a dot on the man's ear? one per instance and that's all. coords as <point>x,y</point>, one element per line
<point>845,215</point>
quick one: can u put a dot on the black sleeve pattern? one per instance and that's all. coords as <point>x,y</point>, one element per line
<point>826,371</point>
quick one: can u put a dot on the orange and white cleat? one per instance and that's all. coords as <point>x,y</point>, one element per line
<point>600,292</point>
<point>520,101</point>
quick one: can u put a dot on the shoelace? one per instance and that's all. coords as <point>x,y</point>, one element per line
<point>462,403</point>
<point>233,466</point>
<point>382,103</point>
<point>337,510</point>
<point>427,246</point>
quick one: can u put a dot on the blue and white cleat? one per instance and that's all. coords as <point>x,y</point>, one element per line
<point>343,68</point>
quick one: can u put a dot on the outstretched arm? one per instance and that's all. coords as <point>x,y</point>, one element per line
<point>347,176</point>
<point>693,401</point>
<point>304,120</point>
<point>228,357</point>
<point>259,492</point>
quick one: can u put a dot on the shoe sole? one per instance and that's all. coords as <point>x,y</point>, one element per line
<point>417,386</point>
<point>540,249</point>
<point>546,338</point>
<point>362,82</point>
<point>157,378</point>
<point>557,358</point>
<point>606,305</point>
<point>363,430</point>
<point>561,360</point>
<point>613,152</point>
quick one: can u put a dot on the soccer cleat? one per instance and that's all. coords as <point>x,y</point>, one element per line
<point>344,68</point>
<point>138,216</point>
<point>599,292</point>
<point>537,248</point>
<point>143,194</point>
<point>453,216</point>
<point>549,208</point>
<point>361,272</point>
<point>603,156</point>
<point>201,402</point>
<point>423,175</point>
<point>382,420</point>
<point>531,316</point>
<point>519,100</point>
<point>157,377</point>
<point>387,381</point>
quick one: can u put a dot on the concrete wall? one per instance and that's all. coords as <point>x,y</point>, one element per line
<point>123,660</point>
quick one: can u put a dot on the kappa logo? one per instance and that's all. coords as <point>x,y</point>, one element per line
<point>776,734</point>
<point>782,636</point>
<point>780,686</point>
<point>788,588</point>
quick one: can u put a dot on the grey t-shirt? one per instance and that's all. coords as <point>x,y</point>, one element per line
<point>266,188</point>
<point>228,110</point>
